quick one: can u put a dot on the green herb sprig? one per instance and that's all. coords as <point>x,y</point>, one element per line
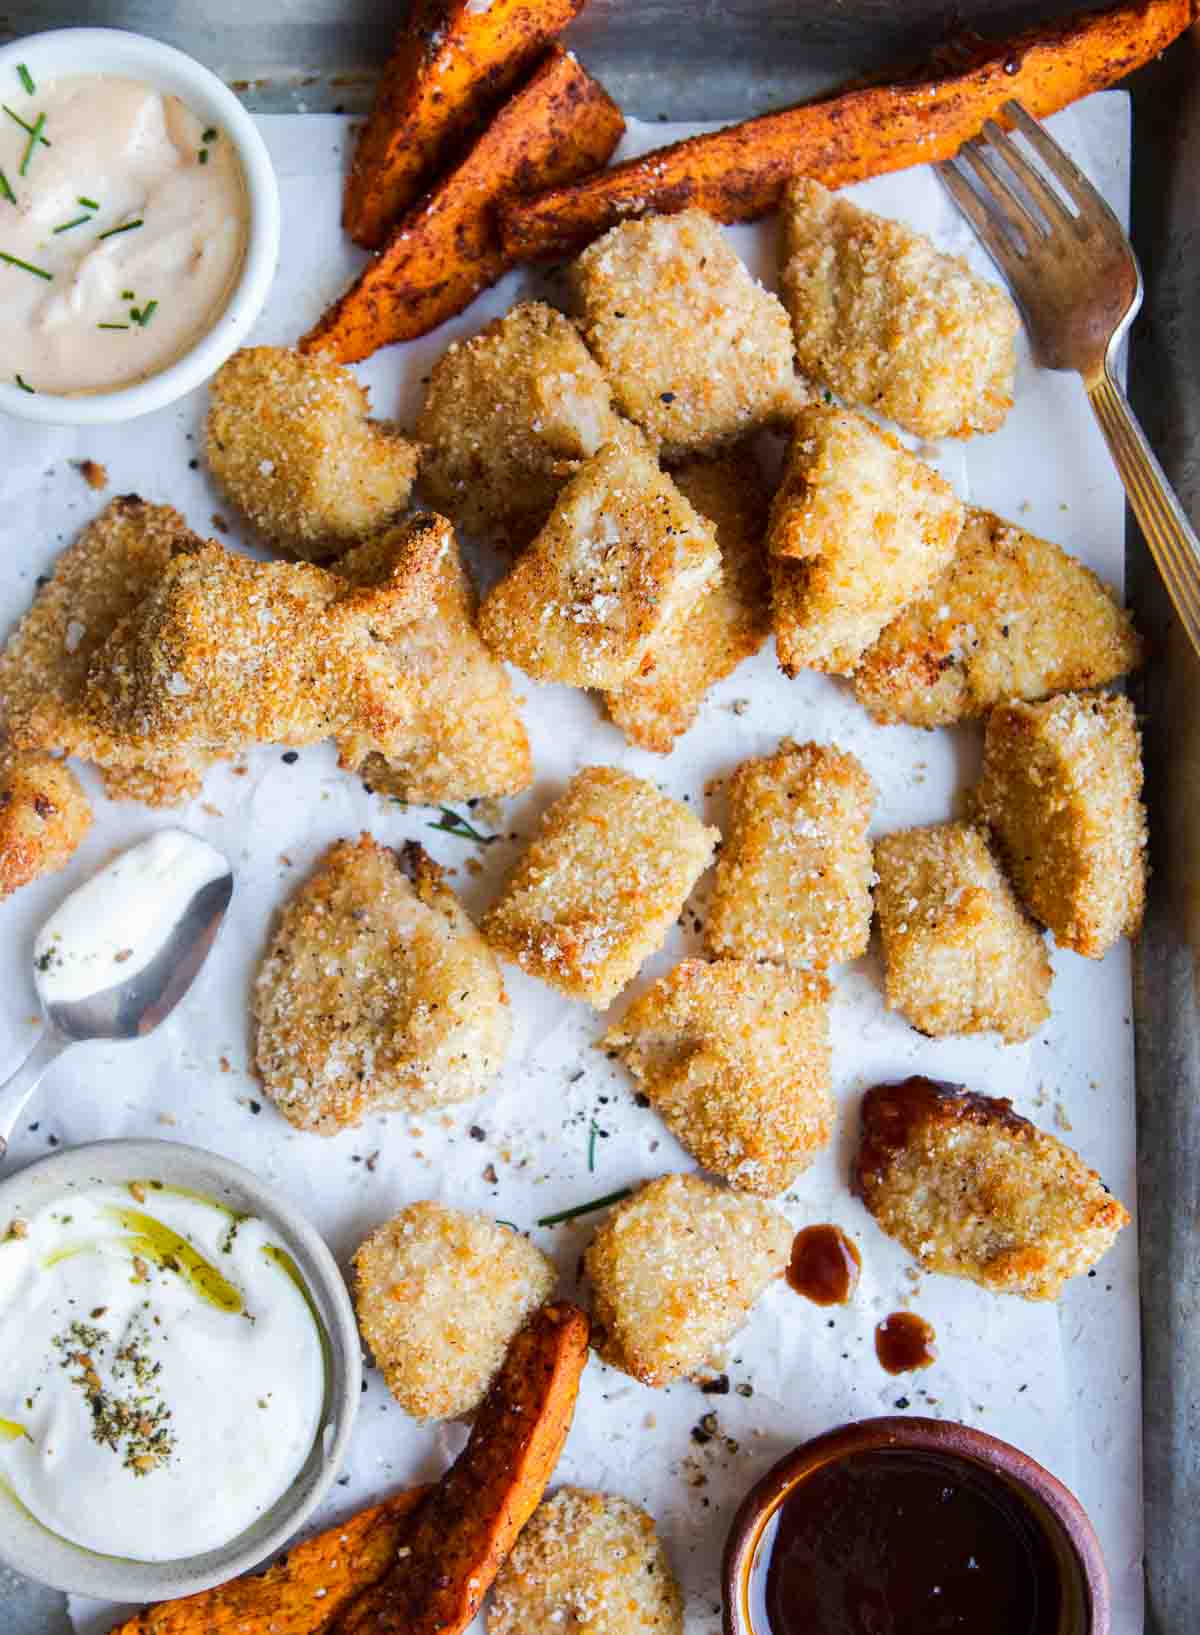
<point>26,79</point>
<point>78,221</point>
<point>452,823</point>
<point>26,266</point>
<point>6,191</point>
<point>125,227</point>
<point>24,385</point>
<point>142,315</point>
<point>35,136</point>
<point>88,204</point>
<point>26,126</point>
<point>586,1209</point>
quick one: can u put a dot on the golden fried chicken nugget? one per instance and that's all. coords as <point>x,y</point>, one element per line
<point>439,1294</point>
<point>859,527</point>
<point>44,814</point>
<point>736,1059</point>
<point>697,351</point>
<point>973,1190</point>
<point>508,416</point>
<point>960,954</point>
<point>1012,616</point>
<point>675,1272</point>
<point>889,322</point>
<point>601,884</point>
<point>1061,791</point>
<point>730,623</point>
<point>289,440</point>
<point>376,992</point>
<point>587,1561</point>
<point>622,560</point>
<point>793,882</point>
<point>462,735</point>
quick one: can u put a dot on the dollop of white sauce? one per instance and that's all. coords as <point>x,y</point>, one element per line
<point>224,1406</point>
<point>115,924</point>
<point>134,155</point>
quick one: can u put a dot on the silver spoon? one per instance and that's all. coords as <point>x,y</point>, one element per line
<point>162,934</point>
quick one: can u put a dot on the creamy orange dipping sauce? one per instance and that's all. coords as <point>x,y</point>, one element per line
<point>123,225</point>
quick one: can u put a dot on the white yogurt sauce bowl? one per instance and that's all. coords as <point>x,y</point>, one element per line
<point>30,1548</point>
<point>73,51</point>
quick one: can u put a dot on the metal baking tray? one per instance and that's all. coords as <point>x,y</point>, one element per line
<point>726,59</point>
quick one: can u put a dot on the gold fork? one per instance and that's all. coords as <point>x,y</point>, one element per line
<point>1078,284</point>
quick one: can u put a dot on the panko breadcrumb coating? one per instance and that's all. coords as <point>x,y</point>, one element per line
<point>462,735</point>
<point>623,559</point>
<point>290,442</point>
<point>973,1190</point>
<point>730,623</point>
<point>376,992</point>
<point>1061,791</point>
<point>439,1295</point>
<point>587,1561</point>
<point>675,1272</point>
<point>793,883</point>
<point>507,418</point>
<point>859,527</point>
<point>736,1059</point>
<point>960,955</point>
<point>44,814</point>
<point>601,884</point>
<point>697,351</point>
<point>889,322</point>
<point>1012,616</point>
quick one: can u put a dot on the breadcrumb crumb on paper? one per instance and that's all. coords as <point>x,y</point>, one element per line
<point>676,1270</point>
<point>973,1190</point>
<point>44,815</point>
<point>736,1059</point>
<point>888,322</point>
<point>439,1294</point>
<point>587,1561</point>
<point>1061,790</point>
<point>376,993</point>
<point>600,885</point>
<point>960,954</point>
<point>793,883</point>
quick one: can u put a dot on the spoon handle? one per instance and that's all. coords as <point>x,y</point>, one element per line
<point>16,1091</point>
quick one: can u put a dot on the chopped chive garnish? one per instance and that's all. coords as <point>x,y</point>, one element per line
<point>35,136</point>
<point>593,1132</point>
<point>25,266</point>
<point>88,204</point>
<point>24,385</point>
<point>586,1209</point>
<point>26,79</point>
<point>67,225</point>
<point>210,134</point>
<point>143,317</point>
<point>126,227</point>
<point>6,191</point>
<point>25,125</point>
<point>452,824</point>
<point>202,156</point>
<point>128,295</point>
<point>112,326</point>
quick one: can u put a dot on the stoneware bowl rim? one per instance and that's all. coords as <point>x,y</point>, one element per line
<point>915,1435</point>
<point>31,1550</point>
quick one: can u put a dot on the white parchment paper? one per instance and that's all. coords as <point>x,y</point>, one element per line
<point>1060,1381</point>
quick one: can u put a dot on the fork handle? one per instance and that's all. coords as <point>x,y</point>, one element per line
<point>1170,536</point>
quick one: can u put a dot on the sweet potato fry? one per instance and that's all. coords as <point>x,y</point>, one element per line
<point>454,62</point>
<point>739,173</point>
<point>465,1530</point>
<point>560,126</point>
<point>340,1563</point>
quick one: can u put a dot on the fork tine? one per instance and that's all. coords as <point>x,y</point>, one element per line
<point>1061,167</point>
<point>977,154</point>
<point>993,237</point>
<point>1044,196</point>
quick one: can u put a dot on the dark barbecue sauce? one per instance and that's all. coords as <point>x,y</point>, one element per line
<point>904,1342</point>
<point>889,1542</point>
<point>824,1266</point>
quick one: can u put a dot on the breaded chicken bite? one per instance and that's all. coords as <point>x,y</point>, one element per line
<point>44,815</point>
<point>960,955</point>
<point>439,1295</point>
<point>289,440</point>
<point>858,528</point>
<point>889,322</point>
<point>697,351</point>
<point>793,882</point>
<point>1061,791</point>
<point>376,992</point>
<point>587,1561</point>
<point>507,418</point>
<point>736,1059</point>
<point>729,624</point>
<point>461,735</point>
<point>1012,616</point>
<point>675,1272</point>
<point>973,1190</point>
<point>601,884</point>
<point>622,560</point>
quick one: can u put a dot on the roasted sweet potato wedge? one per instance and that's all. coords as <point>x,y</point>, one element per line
<point>446,249</point>
<point>739,173</point>
<point>454,62</point>
<point>464,1531</point>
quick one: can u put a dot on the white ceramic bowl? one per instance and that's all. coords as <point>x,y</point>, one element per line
<point>135,56</point>
<point>29,1548</point>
